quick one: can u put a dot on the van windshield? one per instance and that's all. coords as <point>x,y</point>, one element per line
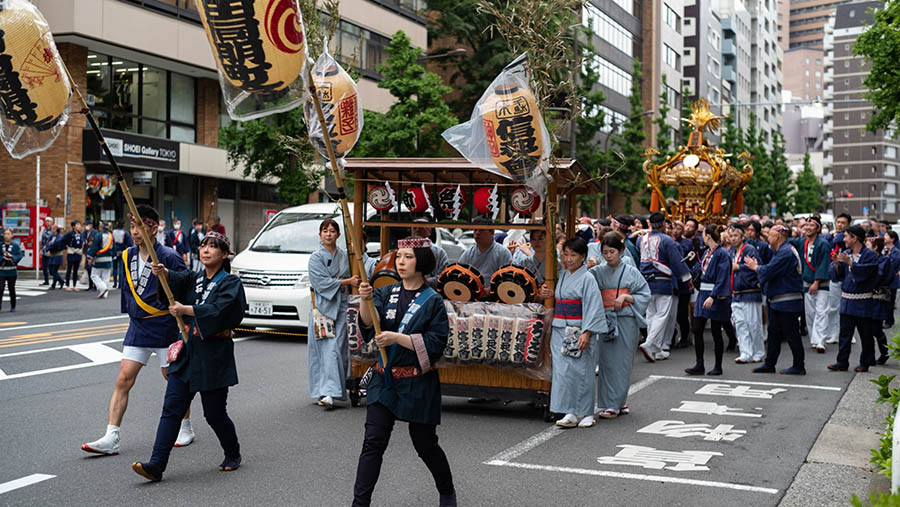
<point>292,233</point>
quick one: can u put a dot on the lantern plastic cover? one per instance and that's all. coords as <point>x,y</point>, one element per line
<point>245,105</point>
<point>339,105</point>
<point>471,140</point>
<point>18,19</point>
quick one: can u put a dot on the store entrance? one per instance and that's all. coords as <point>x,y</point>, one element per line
<point>179,198</point>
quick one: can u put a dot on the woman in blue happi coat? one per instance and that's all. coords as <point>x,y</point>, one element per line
<point>414,331</point>
<point>713,299</point>
<point>10,255</point>
<point>329,353</point>
<point>212,303</point>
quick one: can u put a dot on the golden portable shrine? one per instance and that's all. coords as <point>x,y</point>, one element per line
<point>500,331</point>
<point>701,173</point>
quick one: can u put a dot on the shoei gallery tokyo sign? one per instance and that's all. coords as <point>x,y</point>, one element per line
<point>132,150</point>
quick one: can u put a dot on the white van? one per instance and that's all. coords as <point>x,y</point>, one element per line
<point>274,268</point>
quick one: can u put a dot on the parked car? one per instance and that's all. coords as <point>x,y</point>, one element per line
<point>274,267</point>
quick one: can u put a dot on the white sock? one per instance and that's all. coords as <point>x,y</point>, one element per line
<point>185,423</point>
<point>112,428</point>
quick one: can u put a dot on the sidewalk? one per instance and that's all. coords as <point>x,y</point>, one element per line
<point>838,463</point>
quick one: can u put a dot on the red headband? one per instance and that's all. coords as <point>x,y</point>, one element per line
<point>220,237</point>
<point>414,243</point>
<point>149,222</point>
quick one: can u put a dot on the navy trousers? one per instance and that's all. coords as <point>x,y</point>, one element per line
<point>379,425</point>
<point>784,326</point>
<point>176,404</point>
<point>863,325</point>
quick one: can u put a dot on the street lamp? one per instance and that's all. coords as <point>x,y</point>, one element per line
<point>613,131</point>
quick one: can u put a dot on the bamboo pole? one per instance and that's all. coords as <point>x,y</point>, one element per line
<point>550,243</point>
<point>345,210</point>
<point>145,236</point>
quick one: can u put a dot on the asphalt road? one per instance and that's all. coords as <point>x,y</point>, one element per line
<point>58,358</point>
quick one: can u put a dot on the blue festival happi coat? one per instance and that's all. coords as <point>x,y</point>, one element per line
<point>207,361</point>
<point>662,263</point>
<point>8,269</point>
<point>715,282</point>
<point>816,256</point>
<point>858,280</point>
<point>782,281</point>
<point>745,286</point>
<point>150,324</point>
<point>415,399</point>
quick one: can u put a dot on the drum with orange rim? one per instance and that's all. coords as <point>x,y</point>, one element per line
<point>513,284</point>
<point>385,272</point>
<point>460,282</point>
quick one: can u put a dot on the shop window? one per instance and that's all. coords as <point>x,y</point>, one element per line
<point>133,97</point>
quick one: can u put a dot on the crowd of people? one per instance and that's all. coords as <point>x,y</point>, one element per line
<point>623,286</point>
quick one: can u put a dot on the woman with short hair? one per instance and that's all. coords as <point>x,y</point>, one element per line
<point>414,332</point>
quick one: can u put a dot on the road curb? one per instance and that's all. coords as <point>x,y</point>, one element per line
<point>838,462</point>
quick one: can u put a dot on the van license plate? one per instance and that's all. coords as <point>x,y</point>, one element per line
<point>263,309</point>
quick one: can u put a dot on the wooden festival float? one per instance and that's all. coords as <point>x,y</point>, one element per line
<point>702,174</point>
<point>499,344</point>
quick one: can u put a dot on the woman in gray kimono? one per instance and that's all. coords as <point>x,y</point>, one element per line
<point>330,282</point>
<point>577,320</point>
<point>625,297</point>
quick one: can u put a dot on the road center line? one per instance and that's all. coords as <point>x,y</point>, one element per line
<point>722,381</point>
<point>6,487</point>
<point>51,324</point>
<point>538,439</point>
<point>640,477</point>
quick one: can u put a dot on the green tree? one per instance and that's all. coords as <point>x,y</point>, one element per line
<point>756,195</point>
<point>259,146</point>
<point>590,123</point>
<point>807,197</point>
<point>684,130</point>
<point>413,125</point>
<point>455,23</point>
<point>629,178</point>
<point>732,138</point>
<point>880,45</point>
<point>663,129</point>
<point>782,184</point>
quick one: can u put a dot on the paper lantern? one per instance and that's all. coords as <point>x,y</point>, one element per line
<point>416,199</point>
<point>447,199</point>
<point>34,89</point>
<point>255,42</point>
<point>524,200</point>
<point>513,130</point>
<point>482,200</point>
<point>739,203</point>
<point>654,201</point>
<point>717,202</point>
<point>380,198</point>
<point>337,94</point>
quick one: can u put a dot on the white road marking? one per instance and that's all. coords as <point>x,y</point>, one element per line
<point>51,324</point>
<point>640,477</point>
<point>721,381</point>
<point>538,439</point>
<point>50,349</point>
<point>6,487</point>
<point>97,352</point>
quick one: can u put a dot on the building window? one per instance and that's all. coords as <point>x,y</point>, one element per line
<point>671,57</point>
<point>713,65</point>
<point>352,43</point>
<point>671,97</point>
<point>890,170</point>
<point>612,119</point>
<point>133,97</point>
<point>890,152</point>
<point>714,95</point>
<point>607,29</point>
<point>874,150</point>
<point>611,76</point>
<point>672,18</point>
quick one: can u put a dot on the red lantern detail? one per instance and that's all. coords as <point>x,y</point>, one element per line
<point>739,203</point>
<point>380,198</point>
<point>481,200</point>
<point>717,202</point>
<point>415,200</point>
<point>524,200</point>
<point>447,197</point>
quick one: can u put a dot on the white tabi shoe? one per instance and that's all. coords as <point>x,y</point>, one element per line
<point>569,421</point>
<point>587,422</point>
<point>185,434</point>
<point>327,402</point>
<point>661,355</point>
<point>831,341</point>
<point>108,445</point>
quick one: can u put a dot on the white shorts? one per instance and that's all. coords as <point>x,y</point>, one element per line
<point>142,355</point>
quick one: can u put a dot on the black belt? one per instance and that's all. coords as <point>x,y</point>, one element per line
<point>748,291</point>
